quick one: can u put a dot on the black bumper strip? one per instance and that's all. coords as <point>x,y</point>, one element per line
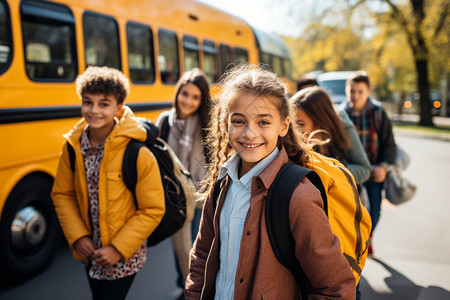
<point>30,114</point>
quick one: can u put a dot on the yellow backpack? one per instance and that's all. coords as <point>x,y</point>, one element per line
<point>349,219</point>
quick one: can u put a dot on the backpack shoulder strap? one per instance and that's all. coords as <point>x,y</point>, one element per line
<point>71,152</point>
<point>277,216</point>
<point>377,118</point>
<point>164,128</point>
<point>129,166</point>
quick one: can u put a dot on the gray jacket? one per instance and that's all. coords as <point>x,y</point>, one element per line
<point>356,159</point>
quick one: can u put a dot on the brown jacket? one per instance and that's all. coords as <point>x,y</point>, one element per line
<point>259,274</point>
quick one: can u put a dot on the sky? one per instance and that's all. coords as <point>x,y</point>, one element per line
<point>284,17</point>
<point>267,15</point>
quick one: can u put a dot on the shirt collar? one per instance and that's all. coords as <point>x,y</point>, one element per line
<point>86,144</point>
<point>231,166</point>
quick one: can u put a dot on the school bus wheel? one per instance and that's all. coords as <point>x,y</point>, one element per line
<point>29,229</point>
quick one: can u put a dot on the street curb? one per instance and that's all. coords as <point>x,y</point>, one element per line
<point>421,134</point>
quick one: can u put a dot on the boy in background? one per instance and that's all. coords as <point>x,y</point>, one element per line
<point>375,132</point>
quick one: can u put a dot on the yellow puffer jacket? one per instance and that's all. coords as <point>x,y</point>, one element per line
<point>121,224</point>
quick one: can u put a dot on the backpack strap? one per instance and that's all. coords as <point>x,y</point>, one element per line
<point>377,118</point>
<point>277,217</point>
<point>164,128</point>
<point>71,152</point>
<point>129,166</point>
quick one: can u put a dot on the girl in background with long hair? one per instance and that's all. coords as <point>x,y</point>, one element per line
<point>183,128</point>
<point>333,131</point>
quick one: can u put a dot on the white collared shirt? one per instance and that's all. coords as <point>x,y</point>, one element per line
<point>232,219</point>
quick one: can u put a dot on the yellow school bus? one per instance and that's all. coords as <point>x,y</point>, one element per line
<point>45,45</point>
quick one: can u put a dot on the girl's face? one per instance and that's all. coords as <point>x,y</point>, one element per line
<point>99,111</point>
<point>188,100</point>
<point>254,125</point>
<point>304,121</point>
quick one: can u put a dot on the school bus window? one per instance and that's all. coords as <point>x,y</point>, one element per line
<point>48,41</point>
<point>266,58</point>
<point>225,57</point>
<point>168,59</point>
<point>191,59</point>
<point>287,68</point>
<point>282,67</point>
<point>241,55</point>
<point>140,53</point>
<point>210,61</point>
<point>5,37</point>
<point>277,65</point>
<point>101,41</point>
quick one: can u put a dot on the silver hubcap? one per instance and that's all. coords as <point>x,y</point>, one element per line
<point>28,228</point>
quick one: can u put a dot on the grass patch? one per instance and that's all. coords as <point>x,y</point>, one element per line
<point>414,127</point>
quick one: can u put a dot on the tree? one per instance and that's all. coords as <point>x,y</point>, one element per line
<point>404,46</point>
<point>324,47</point>
<point>387,62</point>
<point>414,21</point>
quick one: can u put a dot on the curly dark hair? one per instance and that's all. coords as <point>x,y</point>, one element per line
<point>103,80</point>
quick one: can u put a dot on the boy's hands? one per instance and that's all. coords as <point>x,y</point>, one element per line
<point>106,256</point>
<point>85,247</point>
<point>379,174</point>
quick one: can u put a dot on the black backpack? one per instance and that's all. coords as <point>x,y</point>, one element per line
<point>174,189</point>
<point>164,128</point>
<point>277,216</point>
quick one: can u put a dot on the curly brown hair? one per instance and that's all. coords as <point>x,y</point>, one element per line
<point>105,81</point>
<point>256,80</point>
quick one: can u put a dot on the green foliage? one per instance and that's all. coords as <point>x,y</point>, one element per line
<point>371,35</point>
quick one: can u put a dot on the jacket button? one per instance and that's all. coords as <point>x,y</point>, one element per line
<point>241,280</point>
<point>248,232</point>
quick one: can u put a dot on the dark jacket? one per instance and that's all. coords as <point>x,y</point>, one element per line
<point>259,274</point>
<point>386,150</point>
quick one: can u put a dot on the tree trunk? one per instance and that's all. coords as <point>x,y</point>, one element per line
<point>444,93</point>
<point>424,91</point>
<point>421,54</point>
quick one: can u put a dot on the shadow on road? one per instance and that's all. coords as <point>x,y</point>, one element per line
<point>401,288</point>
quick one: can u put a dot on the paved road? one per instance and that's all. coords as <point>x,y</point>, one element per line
<point>65,279</point>
<point>412,243</point>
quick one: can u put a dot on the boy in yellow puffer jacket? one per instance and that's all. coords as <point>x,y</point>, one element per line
<point>96,211</point>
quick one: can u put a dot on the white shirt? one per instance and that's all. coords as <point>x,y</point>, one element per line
<point>232,219</point>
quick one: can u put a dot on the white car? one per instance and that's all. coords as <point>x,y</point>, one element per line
<point>334,84</point>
